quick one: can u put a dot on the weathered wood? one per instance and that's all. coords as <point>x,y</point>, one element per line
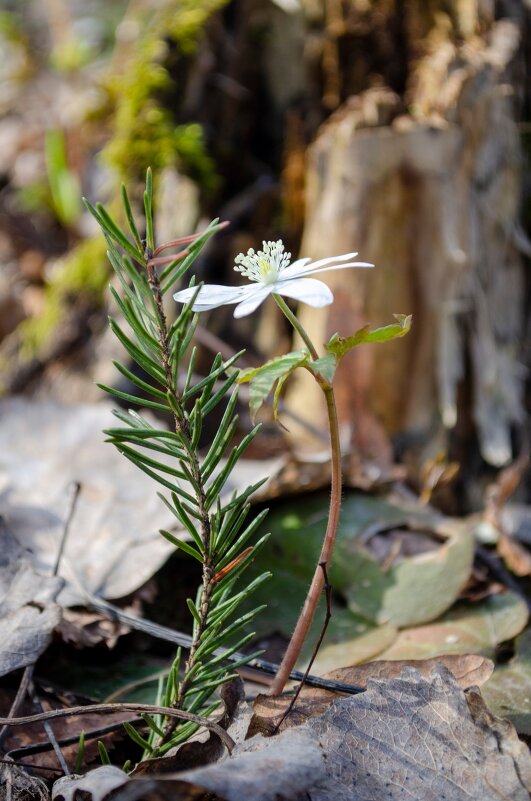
<point>432,198</point>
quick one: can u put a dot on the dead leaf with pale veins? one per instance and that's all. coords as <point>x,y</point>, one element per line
<point>95,785</point>
<point>17,785</point>
<point>410,737</point>
<point>467,669</point>
<point>28,612</point>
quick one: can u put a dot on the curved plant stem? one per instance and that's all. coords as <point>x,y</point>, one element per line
<point>296,325</point>
<point>316,587</point>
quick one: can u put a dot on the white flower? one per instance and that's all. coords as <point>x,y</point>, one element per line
<point>272,273</point>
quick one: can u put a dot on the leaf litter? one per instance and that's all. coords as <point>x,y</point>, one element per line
<point>410,736</point>
<point>398,544</point>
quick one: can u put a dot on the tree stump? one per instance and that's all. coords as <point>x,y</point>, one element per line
<point>432,198</point>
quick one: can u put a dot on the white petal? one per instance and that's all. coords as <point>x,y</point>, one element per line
<point>211,296</point>
<point>252,302</point>
<point>296,268</point>
<point>333,259</point>
<point>309,290</point>
<point>302,267</point>
<point>312,271</point>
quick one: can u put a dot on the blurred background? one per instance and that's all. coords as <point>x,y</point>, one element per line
<point>400,129</point>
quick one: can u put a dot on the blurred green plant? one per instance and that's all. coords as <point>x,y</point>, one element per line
<point>145,130</point>
<point>73,54</point>
<point>61,193</point>
<point>83,273</point>
<point>217,530</point>
<point>63,182</point>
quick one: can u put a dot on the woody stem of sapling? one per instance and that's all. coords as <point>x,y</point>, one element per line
<point>316,587</point>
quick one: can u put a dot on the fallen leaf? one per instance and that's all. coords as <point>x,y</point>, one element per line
<point>411,736</point>
<point>508,691</point>
<point>516,556</point>
<point>95,785</point>
<point>367,643</point>
<point>66,730</point>
<point>467,628</point>
<point>467,670</point>
<point>17,785</point>
<point>28,612</point>
<point>114,545</point>
<point>408,591</point>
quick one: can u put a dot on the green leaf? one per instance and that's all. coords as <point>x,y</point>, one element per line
<point>104,755</point>
<point>184,546</point>
<point>194,610</point>
<point>139,356</point>
<point>152,724</point>
<point>262,379</point>
<point>130,218</point>
<point>148,208</point>
<point>138,382</point>
<point>507,693</point>
<point>108,224</point>
<point>132,398</point>
<point>339,346</point>
<point>325,367</point>
<point>80,753</point>
<point>172,274</point>
<point>136,737</point>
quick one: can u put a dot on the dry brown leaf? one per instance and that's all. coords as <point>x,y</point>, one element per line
<point>516,556</point>
<point>113,545</point>
<point>415,737</point>
<point>467,669</point>
<point>95,785</point>
<point>28,612</point>
<point>15,784</point>
<point>20,737</point>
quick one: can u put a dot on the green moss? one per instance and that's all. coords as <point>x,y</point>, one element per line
<point>145,129</point>
<point>83,273</point>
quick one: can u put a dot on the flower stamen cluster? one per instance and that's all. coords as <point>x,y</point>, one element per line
<point>264,266</point>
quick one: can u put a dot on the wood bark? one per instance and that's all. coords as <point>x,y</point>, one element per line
<point>432,197</point>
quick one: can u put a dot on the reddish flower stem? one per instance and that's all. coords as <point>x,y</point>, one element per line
<point>316,587</point>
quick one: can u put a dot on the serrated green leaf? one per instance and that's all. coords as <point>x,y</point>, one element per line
<point>324,367</point>
<point>339,346</point>
<point>262,379</point>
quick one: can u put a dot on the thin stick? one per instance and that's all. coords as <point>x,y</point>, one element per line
<point>49,731</point>
<point>19,697</point>
<point>76,489</point>
<point>326,621</point>
<point>106,708</point>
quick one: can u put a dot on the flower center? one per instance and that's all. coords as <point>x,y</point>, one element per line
<point>264,266</point>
